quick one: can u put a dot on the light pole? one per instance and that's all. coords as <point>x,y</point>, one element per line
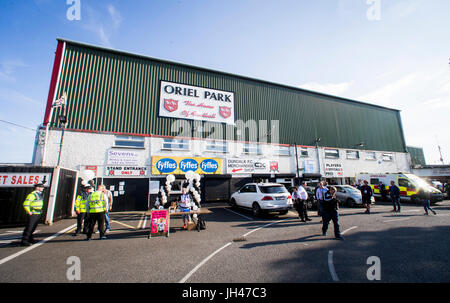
<point>318,155</point>
<point>62,121</point>
<point>58,103</point>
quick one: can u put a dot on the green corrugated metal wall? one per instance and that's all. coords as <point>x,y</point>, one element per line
<point>417,155</point>
<point>115,92</point>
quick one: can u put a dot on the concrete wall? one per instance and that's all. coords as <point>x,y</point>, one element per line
<point>82,148</point>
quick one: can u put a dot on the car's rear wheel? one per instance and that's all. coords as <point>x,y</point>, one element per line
<point>256,210</point>
<point>351,202</point>
<point>233,203</point>
<point>283,212</point>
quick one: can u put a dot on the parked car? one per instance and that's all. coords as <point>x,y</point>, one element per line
<point>349,196</point>
<point>311,202</point>
<point>263,198</point>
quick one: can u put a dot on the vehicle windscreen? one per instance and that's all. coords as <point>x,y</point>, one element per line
<point>273,189</point>
<point>352,189</point>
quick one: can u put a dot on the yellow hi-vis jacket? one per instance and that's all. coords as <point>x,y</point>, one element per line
<point>80,204</point>
<point>97,203</point>
<point>33,203</point>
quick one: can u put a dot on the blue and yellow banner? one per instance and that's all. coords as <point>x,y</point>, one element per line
<point>181,165</point>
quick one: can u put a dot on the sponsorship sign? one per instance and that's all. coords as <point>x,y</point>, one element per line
<point>250,166</point>
<point>160,222</point>
<point>196,103</point>
<point>24,179</point>
<point>334,170</point>
<point>126,171</point>
<point>93,168</point>
<point>129,158</point>
<point>181,165</point>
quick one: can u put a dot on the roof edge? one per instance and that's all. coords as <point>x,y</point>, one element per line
<point>126,53</point>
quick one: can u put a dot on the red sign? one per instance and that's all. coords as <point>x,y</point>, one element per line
<point>225,111</point>
<point>170,105</point>
<point>274,166</point>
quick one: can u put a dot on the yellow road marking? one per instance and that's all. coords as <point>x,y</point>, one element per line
<point>140,222</point>
<point>126,225</point>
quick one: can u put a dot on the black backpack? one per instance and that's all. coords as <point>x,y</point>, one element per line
<point>201,224</point>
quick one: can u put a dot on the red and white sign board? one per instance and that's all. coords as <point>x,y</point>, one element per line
<point>125,171</point>
<point>24,179</point>
<point>93,168</point>
<point>196,103</point>
<point>250,166</point>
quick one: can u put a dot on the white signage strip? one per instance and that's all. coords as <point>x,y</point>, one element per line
<point>196,103</point>
<point>246,166</point>
<point>334,170</point>
<point>125,171</point>
<point>24,179</point>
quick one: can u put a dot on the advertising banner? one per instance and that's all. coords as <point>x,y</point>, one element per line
<point>24,179</point>
<point>196,103</point>
<point>181,165</point>
<point>125,171</point>
<point>159,224</point>
<point>334,170</point>
<point>129,158</point>
<point>251,166</point>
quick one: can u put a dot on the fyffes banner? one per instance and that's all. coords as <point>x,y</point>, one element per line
<point>181,165</point>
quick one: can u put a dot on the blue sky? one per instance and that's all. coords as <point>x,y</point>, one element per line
<point>333,46</point>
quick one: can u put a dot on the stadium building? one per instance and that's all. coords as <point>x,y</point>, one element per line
<point>133,119</point>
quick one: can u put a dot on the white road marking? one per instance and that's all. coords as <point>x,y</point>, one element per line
<point>4,260</point>
<point>252,231</point>
<point>248,218</point>
<point>393,220</point>
<point>203,262</point>
<point>348,229</point>
<point>331,266</point>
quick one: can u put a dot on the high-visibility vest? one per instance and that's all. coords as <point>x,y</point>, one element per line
<point>33,203</point>
<point>96,202</point>
<point>80,204</point>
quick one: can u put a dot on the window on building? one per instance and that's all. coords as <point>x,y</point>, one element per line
<point>175,144</point>
<point>282,151</point>
<point>387,157</point>
<point>254,149</point>
<point>304,152</point>
<point>332,153</point>
<point>217,146</point>
<point>371,156</point>
<point>129,141</point>
<point>352,154</point>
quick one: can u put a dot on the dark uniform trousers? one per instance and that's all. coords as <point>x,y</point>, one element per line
<point>100,219</point>
<point>301,208</point>
<point>330,215</point>
<point>82,220</point>
<point>32,223</point>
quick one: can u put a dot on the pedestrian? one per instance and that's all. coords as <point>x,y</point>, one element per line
<point>359,185</point>
<point>425,196</point>
<point>320,192</point>
<point>366,193</point>
<point>448,189</point>
<point>185,205</point>
<point>80,209</point>
<point>300,197</point>
<point>382,189</point>
<point>330,207</point>
<point>96,208</point>
<point>33,205</point>
<point>109,201</point>
<point>394,192</point>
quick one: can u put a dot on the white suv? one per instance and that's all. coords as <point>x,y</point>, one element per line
<point>263,197</point>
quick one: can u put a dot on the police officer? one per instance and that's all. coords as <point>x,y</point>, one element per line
<point>96,208</point>
<point>80,208</point>
<point>33,206</point>
<point>330,212</point>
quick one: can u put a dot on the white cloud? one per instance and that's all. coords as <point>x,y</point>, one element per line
<point>8,96</point>
<point>336,89</point>
<point>115,16</point>
<point>8,68</point>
